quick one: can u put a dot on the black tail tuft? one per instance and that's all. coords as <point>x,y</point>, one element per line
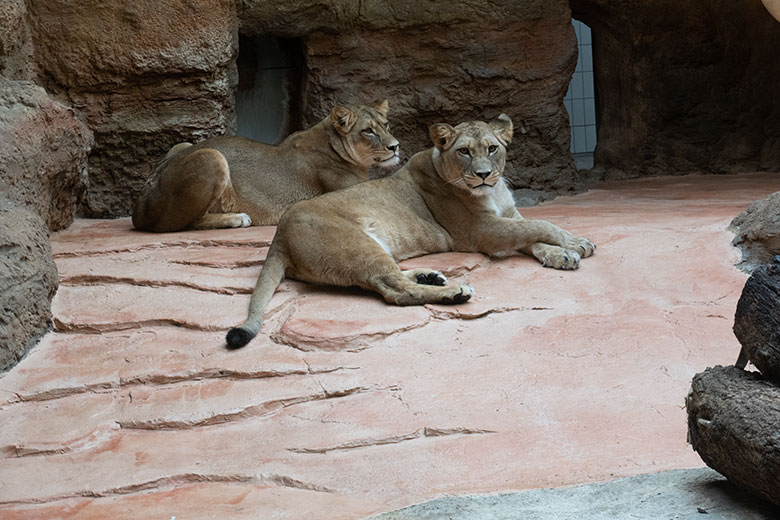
<point>238,337</point>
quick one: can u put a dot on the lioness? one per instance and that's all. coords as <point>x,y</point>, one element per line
<point>451,197</point>
<point>236,182</point>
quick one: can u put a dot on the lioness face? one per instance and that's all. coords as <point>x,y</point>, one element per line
<point>472,155</point>
<point>366,135</point>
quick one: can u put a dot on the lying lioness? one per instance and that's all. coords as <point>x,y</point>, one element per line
<point>449,198</point>
<point>236,182</point>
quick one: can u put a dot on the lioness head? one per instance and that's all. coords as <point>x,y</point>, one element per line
<point>365,133</point>
<point>472,155</point>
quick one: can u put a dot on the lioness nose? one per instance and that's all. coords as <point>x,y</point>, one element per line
<point>483,175</point>
<point>393,147</point>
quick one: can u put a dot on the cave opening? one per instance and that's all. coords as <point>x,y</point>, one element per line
<point>268,98</point>
<point>580,100</point>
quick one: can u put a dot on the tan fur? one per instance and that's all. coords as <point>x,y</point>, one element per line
<point>235,182</point>
<point>448,198</point>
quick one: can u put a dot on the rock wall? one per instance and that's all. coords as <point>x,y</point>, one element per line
<point>681,86</point>
<point>684,86</point>
<point>43,172</point>
<point>470,60</point>
<point>143,75</point>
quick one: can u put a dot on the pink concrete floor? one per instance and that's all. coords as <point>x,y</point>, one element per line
<point>345,406</point>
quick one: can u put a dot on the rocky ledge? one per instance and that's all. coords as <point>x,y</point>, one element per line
<point>344,406</point>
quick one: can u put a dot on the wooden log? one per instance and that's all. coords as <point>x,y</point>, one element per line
<point>734,425</point>
<point>757,321</point>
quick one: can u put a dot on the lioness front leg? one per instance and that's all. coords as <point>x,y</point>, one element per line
<point>553,246</point>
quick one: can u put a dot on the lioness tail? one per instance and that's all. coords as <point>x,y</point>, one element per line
<point>270,278</point>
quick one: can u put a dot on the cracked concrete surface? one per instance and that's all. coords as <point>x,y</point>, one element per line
<point>345,407</point>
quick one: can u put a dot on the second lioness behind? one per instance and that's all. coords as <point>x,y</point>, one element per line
<point>236,182</point>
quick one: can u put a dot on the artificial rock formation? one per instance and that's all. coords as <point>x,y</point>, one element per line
<point>680,86</point>
<point>757,232</point>
<point>43,161</point>
<point>345,406</point>
<point>757,321</point>
<point>684,86</point>
<point>43,152</point>
<point>28,280</point>
<point>733,414</point>
<point>470,60</point>
<point>732,424</point>
<point>143,75</point>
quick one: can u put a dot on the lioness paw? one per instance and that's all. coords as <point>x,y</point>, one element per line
<point>460,294</point>
<point>561,259</point>
<point>432,278</point>
<point>242,220</point>
<point>582,245</point>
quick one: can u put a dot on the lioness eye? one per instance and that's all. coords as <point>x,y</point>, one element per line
<point>368,131</point>
<point>492,149</point>
<point>464,151</point>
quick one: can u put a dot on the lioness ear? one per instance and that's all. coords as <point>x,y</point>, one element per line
<point>442,135</point>
<point>343,119</point>
<point>502,128</point>
<point>383,107</point>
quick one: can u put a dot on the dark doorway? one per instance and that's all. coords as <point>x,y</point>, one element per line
<point>268,100</point>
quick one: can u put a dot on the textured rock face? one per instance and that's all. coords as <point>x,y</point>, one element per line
<point>28,280</point>
<point>757,232</point>
<point>470,60</point>
<point>684,86</point>
<point>15,43</point>
<point>43,152</point>
<point>344,406</point>
<point>681,86</point>
<point>144,75</point>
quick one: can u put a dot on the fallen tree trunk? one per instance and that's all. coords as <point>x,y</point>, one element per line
<point>757,321</point>
<point>734,425</point>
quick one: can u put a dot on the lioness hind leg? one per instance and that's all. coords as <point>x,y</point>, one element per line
<point>400,290</point>
<point>555,256</point>
<point>189,184</point>
<point>222,220</point>
<point>425,276</point>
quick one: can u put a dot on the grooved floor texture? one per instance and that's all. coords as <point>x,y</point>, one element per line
<point>344,406</point>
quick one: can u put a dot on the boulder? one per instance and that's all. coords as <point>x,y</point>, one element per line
<point>757,232</point>
<point>757,321</point>
<point>732,424</point>
<point>28,281</point>
<point>43,153</point>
